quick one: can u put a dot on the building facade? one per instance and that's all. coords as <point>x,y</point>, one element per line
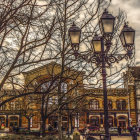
<point>132,83</point>
<point>85,107</point>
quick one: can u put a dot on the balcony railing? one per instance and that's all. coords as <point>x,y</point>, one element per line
<point>101,109</point>
<point>11,111</point>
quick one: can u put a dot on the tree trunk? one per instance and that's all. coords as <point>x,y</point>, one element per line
<point>60,124</point>
<point>71,123</point>
<point>29,120</point>
<point>43,126</point>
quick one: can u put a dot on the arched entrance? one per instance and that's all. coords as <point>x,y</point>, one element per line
<point>13,121</point>
<point>94,121</point>
<point>64,122</point>
<point>122,121</point>
<point>2,122</point>
<point>110,120</point>
<point>53,121</point>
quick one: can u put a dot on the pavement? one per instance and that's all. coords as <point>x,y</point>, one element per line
<point>97,137</point>
<point>123,138</point>
<point>115,138</point>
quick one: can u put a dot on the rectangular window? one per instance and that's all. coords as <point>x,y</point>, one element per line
<point>50,102</point>
<point>17,106</point>
<point>77,120</point>
<point>55,98</point>
<point>12,105</point>
<point>64,87</point>
<point>31,122</point>
<point>138,91</point>
<point>138,104</point>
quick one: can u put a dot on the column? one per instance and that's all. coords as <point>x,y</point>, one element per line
<point>6,120</point>
<point>20,120</point>
<point>87,117</point>
<point>71,123</point>
<point>101,104</point>
<point>101,118</point>
<point>128,119</point>
<point>114,105</point>
<point>47,123</point>
<point>115,120</point>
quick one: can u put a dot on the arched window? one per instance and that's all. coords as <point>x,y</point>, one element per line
<point>110,121</point>
<point>50,101</point>
<point>3,107</point>
<point>122,121</point>
<point>94,104</point>
<point>109,104</point>
<point>17,105</point>
<point>2,120</point>
<point>94,121</point>
<point>12,105</point>
<point>45,86</point>
<point>64,87</point>
<point>54,85</point>
<point>121,105</point>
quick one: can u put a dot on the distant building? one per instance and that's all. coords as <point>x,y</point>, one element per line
<point>85,109</point>
<point>132,82</point>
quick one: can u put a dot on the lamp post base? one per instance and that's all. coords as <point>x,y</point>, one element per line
<point>105,137</point>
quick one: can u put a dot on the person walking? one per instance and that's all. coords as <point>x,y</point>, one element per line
<point>130,128</point>
<point>134,132</point>
<point>86,132</point>
<point>119,131</point>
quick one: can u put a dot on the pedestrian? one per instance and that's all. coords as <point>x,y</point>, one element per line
<point>50,128</point>
<point>14,128</point>
<point>86,132</point>
<point>139,126</point>
<point>135,127</point>
<point>119,131</point>
<point>2,126</point>
<point>134,132</point>
<point>90,138</point>
<point>130,129</point>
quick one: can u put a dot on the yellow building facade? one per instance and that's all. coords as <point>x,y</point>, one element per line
<point>85,107</point>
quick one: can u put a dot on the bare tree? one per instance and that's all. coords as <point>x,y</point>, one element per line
<point>29,108</point>
<point>25,32</point>
<point>35,33</point>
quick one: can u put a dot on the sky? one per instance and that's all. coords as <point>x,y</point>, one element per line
<point>132,9</point>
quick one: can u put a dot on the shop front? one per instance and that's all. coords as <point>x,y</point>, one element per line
<point>122,122</point>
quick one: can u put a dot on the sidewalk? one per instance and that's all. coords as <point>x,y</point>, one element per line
<point>118,138</point>
<point>113,138</point>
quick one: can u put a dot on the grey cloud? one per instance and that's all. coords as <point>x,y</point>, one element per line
<point>135,3</point>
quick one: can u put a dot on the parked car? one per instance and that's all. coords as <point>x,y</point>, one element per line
<point>91,138</point>
<point>82,130</point>
<point>113,129</point>
<point>21,130</point>
<point>93,128</point>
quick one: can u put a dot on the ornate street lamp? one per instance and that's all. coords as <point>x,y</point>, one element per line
<point>74,34</point>
<point>100,55</point>
<point>96,43</point>
<point>127,37</point>
<point>106,23</point>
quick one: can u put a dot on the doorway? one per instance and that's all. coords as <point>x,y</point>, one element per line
<point>13,121</point>
<point>122,121</point>
<point>94,121</point>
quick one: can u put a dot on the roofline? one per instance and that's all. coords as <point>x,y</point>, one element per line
<point>53,63</point>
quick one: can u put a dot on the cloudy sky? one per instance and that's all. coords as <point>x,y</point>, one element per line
<point>132,9</point>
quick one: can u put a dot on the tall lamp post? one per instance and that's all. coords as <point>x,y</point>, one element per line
<point>101,55</point>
